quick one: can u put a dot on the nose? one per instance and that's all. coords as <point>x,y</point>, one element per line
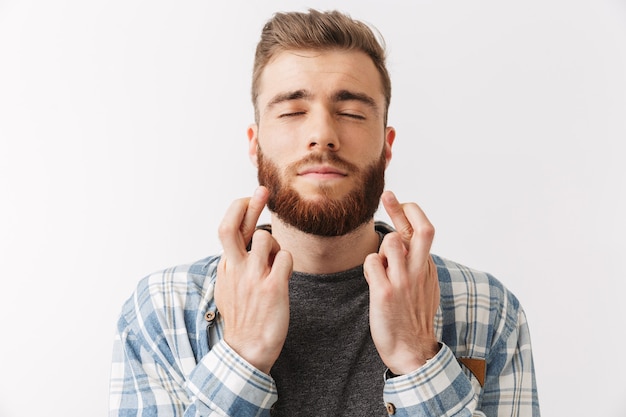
<point>323,132</point>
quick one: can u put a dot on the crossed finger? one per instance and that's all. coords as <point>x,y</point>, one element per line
<point>264,249</point>
<point>413,226</point>
<point>239,223</point>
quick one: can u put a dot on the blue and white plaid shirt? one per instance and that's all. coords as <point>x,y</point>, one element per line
<point>169,358</point>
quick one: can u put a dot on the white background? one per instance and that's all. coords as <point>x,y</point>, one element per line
<point>122,142</point>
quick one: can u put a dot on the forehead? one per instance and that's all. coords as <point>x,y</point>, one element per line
<point>321,73</point>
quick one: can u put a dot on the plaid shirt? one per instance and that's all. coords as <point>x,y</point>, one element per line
<point>169,358</point>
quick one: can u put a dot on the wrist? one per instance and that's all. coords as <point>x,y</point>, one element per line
<point>256,356</point>
<point>411,361</point>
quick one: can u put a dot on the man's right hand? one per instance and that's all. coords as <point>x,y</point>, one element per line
<point>252,292</point>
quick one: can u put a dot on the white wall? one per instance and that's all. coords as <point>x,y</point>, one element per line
<point>122,142</point>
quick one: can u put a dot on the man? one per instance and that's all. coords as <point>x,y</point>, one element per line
<point>325,311</point>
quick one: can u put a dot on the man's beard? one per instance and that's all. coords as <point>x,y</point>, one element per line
<point>328,216</point>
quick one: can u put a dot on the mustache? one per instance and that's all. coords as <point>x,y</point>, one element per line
<point>323,158</point>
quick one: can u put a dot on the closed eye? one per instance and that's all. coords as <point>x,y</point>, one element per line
<point>353,116</point>
<point>291,114</point>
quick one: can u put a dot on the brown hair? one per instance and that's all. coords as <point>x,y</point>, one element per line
<point>318,30</point>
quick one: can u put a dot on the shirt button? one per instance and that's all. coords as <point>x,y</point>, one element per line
<point>391,409</point>
<point>209,316</point>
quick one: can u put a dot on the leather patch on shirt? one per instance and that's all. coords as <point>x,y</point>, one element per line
<point>477,366</point>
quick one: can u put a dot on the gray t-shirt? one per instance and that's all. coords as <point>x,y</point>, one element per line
<point>329,365</point>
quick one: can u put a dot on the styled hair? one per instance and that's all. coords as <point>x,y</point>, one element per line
<point>317,30</point>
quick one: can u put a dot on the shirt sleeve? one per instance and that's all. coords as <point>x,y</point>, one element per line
<point>225,381</point>
<point>439,388</point>
<point>510,387</point>
<point>443,388</point>
<point>157,370</point>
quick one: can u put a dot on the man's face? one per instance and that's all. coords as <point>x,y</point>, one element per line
<point>321,145</point>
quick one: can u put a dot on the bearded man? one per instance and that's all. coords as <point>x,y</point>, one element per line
<point>325,311</point>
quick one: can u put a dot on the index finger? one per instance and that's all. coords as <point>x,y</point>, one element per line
<point>423,233</point>
<point>239,222</point>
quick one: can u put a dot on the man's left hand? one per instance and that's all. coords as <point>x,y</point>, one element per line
<point>404,289</point>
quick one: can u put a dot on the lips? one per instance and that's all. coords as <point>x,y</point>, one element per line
<point>323,171</point>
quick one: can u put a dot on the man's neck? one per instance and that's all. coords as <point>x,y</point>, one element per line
<point>324,255</point>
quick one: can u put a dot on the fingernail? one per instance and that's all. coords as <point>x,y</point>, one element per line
<point>259,192</point>
<point>389,197</point>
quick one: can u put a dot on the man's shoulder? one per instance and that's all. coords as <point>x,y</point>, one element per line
<point>456,279</point>
<point>181,287</point>
<point>165,314</point>
<point>180,278</point>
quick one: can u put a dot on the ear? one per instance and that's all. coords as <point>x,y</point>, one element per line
<point>390,137</point>
<point>253,143</point>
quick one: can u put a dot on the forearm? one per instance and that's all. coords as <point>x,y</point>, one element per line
<point>444,387</point>
<point>439,388</point>
<point>221,384</point>
<point>224,383</point>
<point>142,385</point>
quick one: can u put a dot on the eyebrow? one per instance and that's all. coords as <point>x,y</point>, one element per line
<point>339,96</point>
<point>347,95</point>
<point>289,96</point>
